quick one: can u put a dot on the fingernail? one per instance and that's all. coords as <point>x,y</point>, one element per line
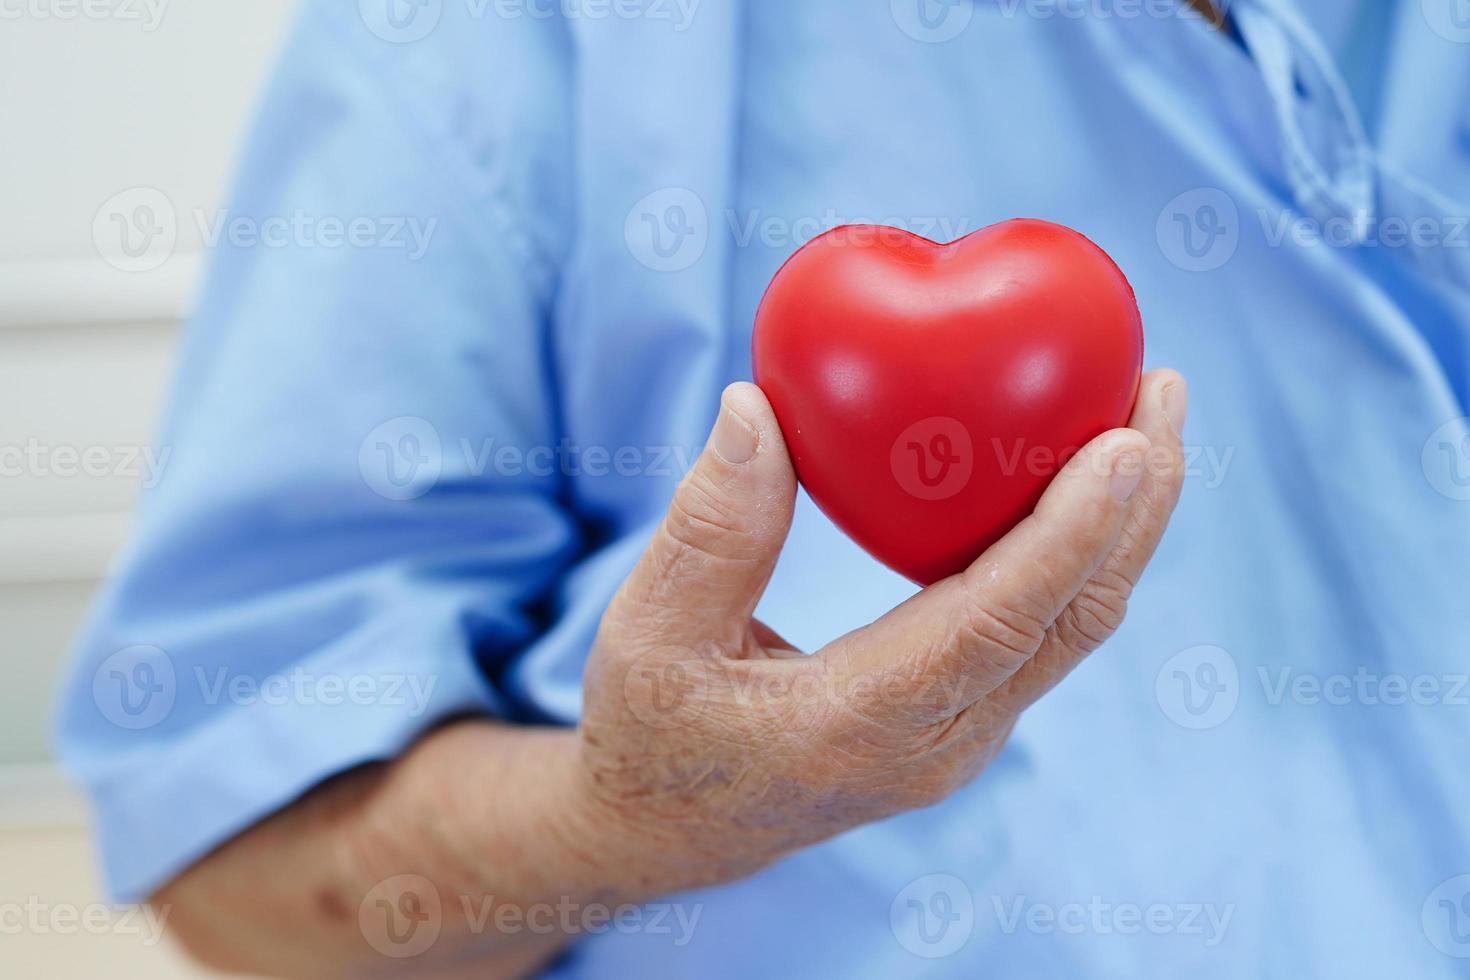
<point>1127,472</point>
<point>1176,406</point>
<point>734,441</point>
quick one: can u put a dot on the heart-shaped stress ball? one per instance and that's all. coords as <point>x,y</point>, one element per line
<point>928,393</point>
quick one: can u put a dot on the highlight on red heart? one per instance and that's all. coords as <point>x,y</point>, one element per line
<point>907,375</point>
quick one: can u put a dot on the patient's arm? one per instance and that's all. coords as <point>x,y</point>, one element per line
<point>482,810</point>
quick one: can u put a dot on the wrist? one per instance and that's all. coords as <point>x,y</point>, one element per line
<point>645,843</point>
<point>528,823</point>
<point>628,855</point>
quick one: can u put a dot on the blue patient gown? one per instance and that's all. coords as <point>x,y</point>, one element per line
<point>408,470</point>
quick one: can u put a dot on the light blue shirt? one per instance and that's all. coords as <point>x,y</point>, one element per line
<point>409,469</point>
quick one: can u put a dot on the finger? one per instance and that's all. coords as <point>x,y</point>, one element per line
<point>1159,413</point>
<point>974,630</point>
<point>700,577</point>
<point>1098,609</point>
<point>773,644</point>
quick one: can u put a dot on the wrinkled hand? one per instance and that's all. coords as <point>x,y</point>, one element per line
<point>717,747</point>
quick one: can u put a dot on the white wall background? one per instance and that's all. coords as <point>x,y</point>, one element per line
<point>101,97</point>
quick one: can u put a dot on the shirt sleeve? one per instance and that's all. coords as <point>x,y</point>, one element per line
<point>346,543</point>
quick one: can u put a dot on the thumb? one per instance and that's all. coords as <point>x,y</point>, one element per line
<point>708,563</point>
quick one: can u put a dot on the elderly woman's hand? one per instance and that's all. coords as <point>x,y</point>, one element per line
<point>709,746</point>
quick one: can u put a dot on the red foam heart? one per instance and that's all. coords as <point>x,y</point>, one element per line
<point>928,393</point>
